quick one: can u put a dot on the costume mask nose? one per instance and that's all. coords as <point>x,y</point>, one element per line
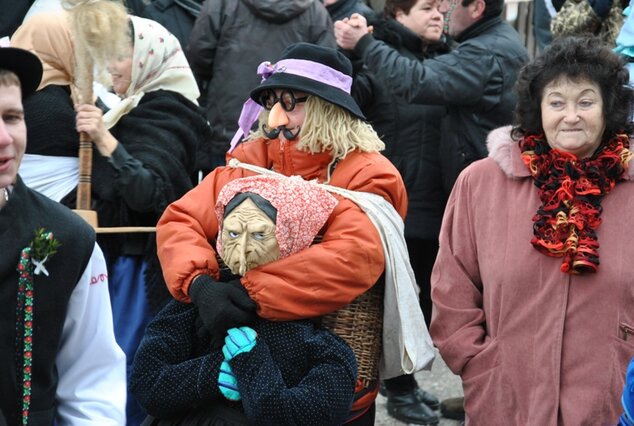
<point>277,117</point>
<point>243,265</point>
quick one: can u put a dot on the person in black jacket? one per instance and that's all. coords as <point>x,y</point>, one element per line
<point>411,134</point>
<point>474,82</point>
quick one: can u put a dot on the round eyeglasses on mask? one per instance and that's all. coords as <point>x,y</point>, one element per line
<point>288,100</point>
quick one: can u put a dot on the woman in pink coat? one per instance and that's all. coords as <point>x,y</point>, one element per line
<point>533,287</point>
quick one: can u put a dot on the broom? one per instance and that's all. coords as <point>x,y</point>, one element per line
<point>100,31</point>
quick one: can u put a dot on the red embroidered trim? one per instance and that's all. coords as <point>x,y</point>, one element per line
<point>25,326</point>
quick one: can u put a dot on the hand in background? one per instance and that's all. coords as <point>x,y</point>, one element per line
<point>349,31</point>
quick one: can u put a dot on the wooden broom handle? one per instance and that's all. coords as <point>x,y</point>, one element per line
<point>85,172</point>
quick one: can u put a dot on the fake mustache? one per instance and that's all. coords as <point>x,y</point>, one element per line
<point>274,133</point>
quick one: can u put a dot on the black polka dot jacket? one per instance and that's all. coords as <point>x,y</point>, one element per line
<point>297,373</point>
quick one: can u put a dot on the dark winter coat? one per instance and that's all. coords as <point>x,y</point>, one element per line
<point>295,374</point>
<point>474,81</point>
<point>230,39</point>
<point>411,132</point>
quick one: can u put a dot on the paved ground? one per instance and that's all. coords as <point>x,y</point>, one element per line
<point>439,381</point>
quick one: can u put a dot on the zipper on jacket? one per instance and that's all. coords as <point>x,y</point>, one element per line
<point>626,331</point>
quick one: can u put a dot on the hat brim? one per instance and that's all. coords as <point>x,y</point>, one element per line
<point>313,87</point>
<point>25,65</point>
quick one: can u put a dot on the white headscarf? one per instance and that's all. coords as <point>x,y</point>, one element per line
<point>158,62</point>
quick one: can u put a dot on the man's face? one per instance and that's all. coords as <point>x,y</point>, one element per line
<point>248,238</point>
<point>458,17</point>
<point>12,133</point>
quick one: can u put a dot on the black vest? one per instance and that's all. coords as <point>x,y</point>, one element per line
<point>26,212</point>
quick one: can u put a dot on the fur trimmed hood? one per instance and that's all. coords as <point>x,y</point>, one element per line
<point>506,153</point>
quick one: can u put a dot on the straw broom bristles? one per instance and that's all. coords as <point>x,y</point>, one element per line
<point>100,32</point>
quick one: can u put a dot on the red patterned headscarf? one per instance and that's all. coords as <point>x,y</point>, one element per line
<point>571,191</point>
<point>302,208</point>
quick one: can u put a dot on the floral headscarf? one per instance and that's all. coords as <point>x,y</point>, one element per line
<point>158,62</point>
<point>302,208</point>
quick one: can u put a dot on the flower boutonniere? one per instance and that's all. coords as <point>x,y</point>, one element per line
<point>32,260</point>
<point>42,247</point>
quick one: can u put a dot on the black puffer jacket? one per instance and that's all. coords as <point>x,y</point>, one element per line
<point>411,132</point>
<point>231,38</point>
<point>475,82</point>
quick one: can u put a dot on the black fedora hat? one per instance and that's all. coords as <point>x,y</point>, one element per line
<point>25,65</point>
<point>283,77</point>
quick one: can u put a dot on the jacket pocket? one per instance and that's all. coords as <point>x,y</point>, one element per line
<point>485,386</point>
<point>483,362</point>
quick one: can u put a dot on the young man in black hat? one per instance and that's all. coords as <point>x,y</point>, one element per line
<point>310,126</point>
<point>60,363</point>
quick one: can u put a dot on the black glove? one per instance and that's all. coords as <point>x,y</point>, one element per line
<point>221,306</point>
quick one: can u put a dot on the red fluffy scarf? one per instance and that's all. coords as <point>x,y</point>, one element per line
<point>571,191</point>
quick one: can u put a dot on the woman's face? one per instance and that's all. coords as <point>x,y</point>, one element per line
<point>424,19</point>
<point>572,116</point>
<point>120,70</point>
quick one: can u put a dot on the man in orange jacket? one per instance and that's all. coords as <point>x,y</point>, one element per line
<point>313,128</point>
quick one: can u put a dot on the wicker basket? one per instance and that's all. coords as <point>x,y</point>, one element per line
<point>360,324</point>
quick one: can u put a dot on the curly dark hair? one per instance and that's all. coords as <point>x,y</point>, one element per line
<point>575,58</point>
